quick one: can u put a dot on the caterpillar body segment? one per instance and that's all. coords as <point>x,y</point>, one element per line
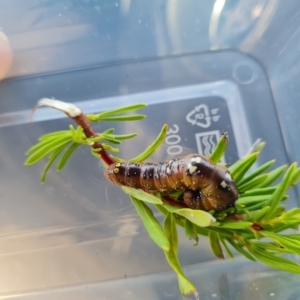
<point>205,185</point>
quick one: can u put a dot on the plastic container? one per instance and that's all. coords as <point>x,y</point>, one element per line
<point>203,68</point>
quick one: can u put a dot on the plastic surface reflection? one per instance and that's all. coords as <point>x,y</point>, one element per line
<point>77,229</point>
<point>67,34</point>
<point>236,280</point>
<point>73,232</point>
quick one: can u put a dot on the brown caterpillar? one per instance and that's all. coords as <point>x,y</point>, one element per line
<point>206,186</point>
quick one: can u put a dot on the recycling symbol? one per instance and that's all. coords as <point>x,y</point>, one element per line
<point>201,116</point>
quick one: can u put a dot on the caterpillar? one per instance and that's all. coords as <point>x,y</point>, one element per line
<point>205,185</point>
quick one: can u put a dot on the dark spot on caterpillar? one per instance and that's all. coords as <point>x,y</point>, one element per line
<point>205,185</point>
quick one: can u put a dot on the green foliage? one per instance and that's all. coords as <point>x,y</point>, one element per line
<point>153,147</point>
<point>220,149</point>
<point>214,241</point>
<point>253,228</point>
<point>198,217</point>
<point>141,195</point>
<point>151,224</point>
<point>114,115</point>
<point>62,144</point>
<point>190,231</point>
<point>185,285</point>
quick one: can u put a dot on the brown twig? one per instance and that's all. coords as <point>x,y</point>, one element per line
<point>256,227</point>
<point>80,119</point>
<point>173,202</point>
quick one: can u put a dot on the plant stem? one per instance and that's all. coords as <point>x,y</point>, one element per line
<point>173,202</point>
<point>80,119</point>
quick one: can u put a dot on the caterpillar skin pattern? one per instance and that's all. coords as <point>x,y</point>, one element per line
<point>206,186</point>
